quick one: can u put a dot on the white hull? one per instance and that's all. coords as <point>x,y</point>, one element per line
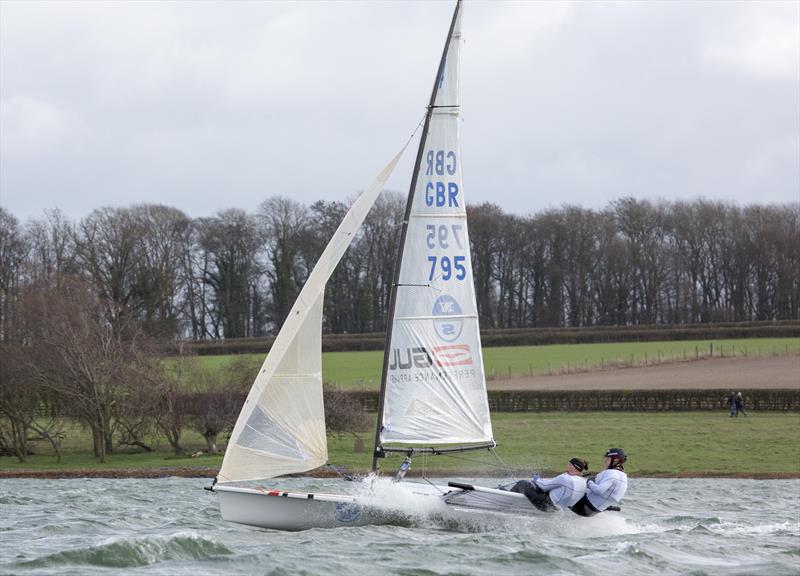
<point>281,510</point>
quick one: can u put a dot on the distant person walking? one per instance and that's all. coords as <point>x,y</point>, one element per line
<point>732,404</point>
<point>739,403</point>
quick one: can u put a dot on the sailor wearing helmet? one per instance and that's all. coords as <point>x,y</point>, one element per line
<point>551,494</point>
<point>607,488</point>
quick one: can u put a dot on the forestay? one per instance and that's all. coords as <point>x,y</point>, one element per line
<point>434,390</point>
<point>281,428</point>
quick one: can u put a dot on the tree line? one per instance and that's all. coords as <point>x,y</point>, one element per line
<point>87,308</point>
<point>235,274</point>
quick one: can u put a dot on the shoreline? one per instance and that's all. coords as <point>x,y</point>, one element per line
<point>209,473</point>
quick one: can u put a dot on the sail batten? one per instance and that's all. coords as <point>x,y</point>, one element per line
<point>433,388</point>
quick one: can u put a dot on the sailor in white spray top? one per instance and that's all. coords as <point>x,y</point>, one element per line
<point>565,489</point>
<point>607,488</point>
<point>551,494</point>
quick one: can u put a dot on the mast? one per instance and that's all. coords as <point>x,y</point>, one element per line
<point>377,452</point>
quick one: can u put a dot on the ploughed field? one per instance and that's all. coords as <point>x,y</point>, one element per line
<point>722,373</point>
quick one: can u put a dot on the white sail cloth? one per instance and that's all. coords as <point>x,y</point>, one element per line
<point>435,385</point>
<point>281,427</point>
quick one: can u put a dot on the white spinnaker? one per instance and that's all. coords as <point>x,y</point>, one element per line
<point>281,427</point>
<point>435,385</point>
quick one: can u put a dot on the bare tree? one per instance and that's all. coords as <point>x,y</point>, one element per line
<point>136,414</point>
<point>231,242</point>
<point>343,413</point>
<point>218,394</point>
<point>284,225</point>
<point>13,250</point>
<point>485,222</point>
<point>195,268</point>
<point>52,254</point>
<point>26,407</point>
<point>106,243</point>
<point>76,354</point>
<point>164,234</point>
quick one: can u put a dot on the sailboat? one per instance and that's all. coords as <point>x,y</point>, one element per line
<point>433,390</point>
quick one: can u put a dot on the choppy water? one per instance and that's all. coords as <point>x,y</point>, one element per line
<point>171,526</point>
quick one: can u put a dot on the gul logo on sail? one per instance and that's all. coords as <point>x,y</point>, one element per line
<point>438,356</point>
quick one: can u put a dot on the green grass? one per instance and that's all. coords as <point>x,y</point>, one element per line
<point>361,370</point>
<point>657,443</point>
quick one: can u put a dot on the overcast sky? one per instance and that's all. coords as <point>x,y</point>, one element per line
<point>205,106</point>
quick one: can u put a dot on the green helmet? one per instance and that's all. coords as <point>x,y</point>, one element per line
<point>616,454</point>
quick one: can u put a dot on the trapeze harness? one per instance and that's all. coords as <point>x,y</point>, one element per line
<point>606,489</point>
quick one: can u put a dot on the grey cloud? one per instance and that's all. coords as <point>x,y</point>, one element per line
<point>207,106</point>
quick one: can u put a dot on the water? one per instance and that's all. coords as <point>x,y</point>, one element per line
<point>172,527</point>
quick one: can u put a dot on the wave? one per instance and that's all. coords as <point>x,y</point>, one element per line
<point>133,552</point>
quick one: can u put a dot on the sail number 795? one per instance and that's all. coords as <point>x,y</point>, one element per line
<point>443,234</point>
<point>449,267</point>
<point>445,237</point>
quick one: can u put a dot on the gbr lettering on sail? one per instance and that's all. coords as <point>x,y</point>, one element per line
<point>443,192</point>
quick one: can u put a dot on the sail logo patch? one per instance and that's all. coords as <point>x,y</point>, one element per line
<point>452,355</point>
<point>449,322</point>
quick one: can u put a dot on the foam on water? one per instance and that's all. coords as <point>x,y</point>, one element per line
<point>421,507</point>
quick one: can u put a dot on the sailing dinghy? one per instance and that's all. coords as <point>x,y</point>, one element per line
<point>433,390</point>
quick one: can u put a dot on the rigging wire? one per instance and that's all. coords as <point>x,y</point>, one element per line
<point>425,473</point>
<point>414,133</point>
<point>344,474</point>
<point>504,466</point>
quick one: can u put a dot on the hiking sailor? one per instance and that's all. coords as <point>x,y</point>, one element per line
<point>607,488</point>
<point>551,494</point>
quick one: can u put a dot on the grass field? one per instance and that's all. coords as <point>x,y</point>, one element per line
<point>361,370</point>
<point>701,443</point>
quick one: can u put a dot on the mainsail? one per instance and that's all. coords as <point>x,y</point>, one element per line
<point>281,428</point>
<point>433,390</point>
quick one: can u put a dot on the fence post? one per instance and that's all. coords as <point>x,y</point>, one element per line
<point>711,349</point>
